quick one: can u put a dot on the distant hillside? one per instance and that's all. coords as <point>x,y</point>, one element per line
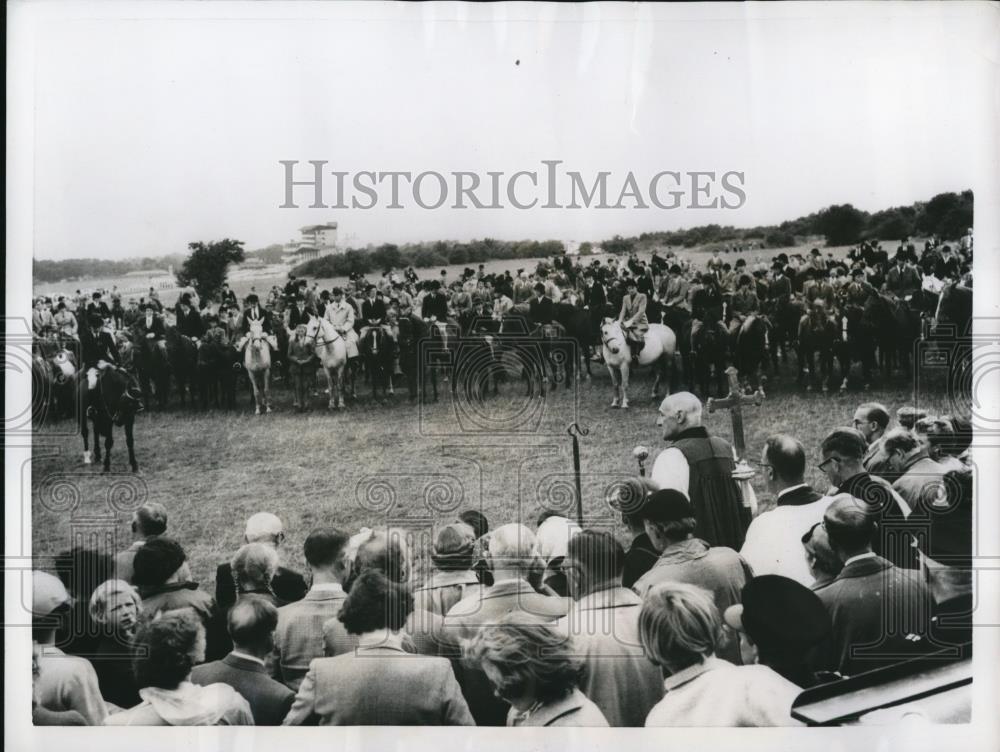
<point>947,215</point>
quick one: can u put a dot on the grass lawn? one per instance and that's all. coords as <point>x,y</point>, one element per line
<point>373,465</point>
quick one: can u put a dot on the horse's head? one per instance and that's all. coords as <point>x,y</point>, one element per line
<point>256,334</point>
<point>612,336</point>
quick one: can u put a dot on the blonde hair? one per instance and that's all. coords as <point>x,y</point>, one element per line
<point>535,657</point>
<point>98,606</point>
<point>254,565</point>
<point>679,625</point>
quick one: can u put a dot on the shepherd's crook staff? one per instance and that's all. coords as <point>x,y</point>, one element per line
<point>576,431</point>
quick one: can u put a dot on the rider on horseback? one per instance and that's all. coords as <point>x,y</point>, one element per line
<point>99,353</point>
<point>255,313</point>
<point>744,303</point>
<point>633,319</point>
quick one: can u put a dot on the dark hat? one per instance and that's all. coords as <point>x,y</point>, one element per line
<point>666,505</point>
<point>186,298</point>
<point>252,298</point>
<point>776,611</point>
<point>337,291</point>
<point>539,287</point>
<point>675,269</point>
<point>369,287</point>
<point>454,547</point>
<point>156,560</point>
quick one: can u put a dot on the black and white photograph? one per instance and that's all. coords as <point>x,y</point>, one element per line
<point>574,367</point>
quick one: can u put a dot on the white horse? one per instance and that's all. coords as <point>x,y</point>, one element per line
<point>658,351</point>
<point>331,349</point>
<point>257,361</point>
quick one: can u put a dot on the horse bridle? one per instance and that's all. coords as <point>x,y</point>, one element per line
<point>315,337</point>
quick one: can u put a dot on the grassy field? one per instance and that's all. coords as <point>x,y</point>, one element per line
<point>404,464</point>
<point>400,464</point>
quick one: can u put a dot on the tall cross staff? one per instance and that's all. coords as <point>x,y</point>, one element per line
<point>576,431</point>
<point>734,402</point>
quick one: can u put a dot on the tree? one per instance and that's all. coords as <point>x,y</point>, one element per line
<point>842,225</point>
<point>207,266</point>
<point>619,245</point>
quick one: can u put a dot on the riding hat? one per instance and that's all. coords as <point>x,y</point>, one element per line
<point>763,613</point>
<point>665,505</point>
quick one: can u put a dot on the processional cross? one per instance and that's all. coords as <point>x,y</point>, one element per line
<point>734,402</point>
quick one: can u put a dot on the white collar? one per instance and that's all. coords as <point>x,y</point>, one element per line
<point>336,587</point>
<point>246,656</point>
<point>867,555</point>
<point>790,489</point>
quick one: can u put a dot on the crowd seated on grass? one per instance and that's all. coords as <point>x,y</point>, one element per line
<point>640,623</point>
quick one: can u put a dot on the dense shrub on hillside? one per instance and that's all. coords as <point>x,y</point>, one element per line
<point>423,255</point>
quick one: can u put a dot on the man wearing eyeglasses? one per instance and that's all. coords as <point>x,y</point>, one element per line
<point>774,539</point>
<point>842,452</point>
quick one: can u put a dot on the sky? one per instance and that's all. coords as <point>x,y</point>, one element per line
<point>168,127</point>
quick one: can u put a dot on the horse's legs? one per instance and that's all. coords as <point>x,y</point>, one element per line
<point>625,373</point>
<point>109,441</point>
<point>85,432</point>
<point>616,402</point>
<point>130,443</point>
<point>267,390</point>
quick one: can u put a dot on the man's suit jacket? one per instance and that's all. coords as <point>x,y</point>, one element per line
<point>288,585</point>
<point>921,482</point>
<point>436,305</point>
<point>295,317</point>
<point>513,597</point>
<point>380,686</point>
<point>156,328</point>
<point>94,349</point>
<point>372,310</point>
<point>269,700</point>
<point>617,676</point>
<point>299,636</point>
<point>541,311</point>
<point>866,600</point>
<point>190,325</point>
<point>255,314</point>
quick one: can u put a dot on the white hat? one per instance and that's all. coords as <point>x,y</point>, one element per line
<point>553,537</point>
<point>47,593</point>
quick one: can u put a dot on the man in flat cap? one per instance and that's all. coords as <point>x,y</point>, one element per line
<point>670,522</point>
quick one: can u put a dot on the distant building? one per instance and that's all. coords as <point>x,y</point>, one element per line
<point>316,241</point>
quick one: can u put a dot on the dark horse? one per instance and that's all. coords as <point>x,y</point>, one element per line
<point>704,347</point>
<point>217,366</point>
<point>818,336</point>
<point>182,354</point>
<point>440,353</point>
<point>896,327</point>
<point>953,315</point>
<point>412,331</point>
<point>153,368</point>
<point>579,335</point>
<point>785,320</point>
<point>750,348</point>
<point>107,406</point>
<point>379,352</point>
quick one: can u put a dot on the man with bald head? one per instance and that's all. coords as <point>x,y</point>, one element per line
<point>880,612</point>
<point>288,585</point>
<point>701,467</point>
<point>511,552</point>
<point>774,539</point>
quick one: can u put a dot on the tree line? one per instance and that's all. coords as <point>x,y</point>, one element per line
<point>947,215</point>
